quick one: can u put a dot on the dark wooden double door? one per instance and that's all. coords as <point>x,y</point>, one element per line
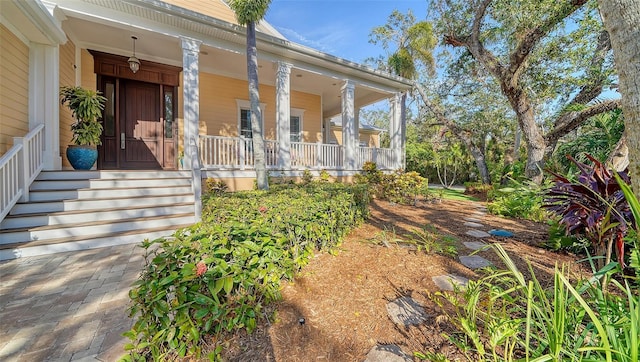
<point>140,131</point>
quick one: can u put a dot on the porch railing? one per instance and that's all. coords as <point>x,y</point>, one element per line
<point>316,155</point>
<point>219,152</point>
<point>383,157</point>
<point>19,167</point>
<point>234,152</point>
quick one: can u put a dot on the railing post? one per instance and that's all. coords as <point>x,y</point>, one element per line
<point>319,154</point>
<point>374,156</point>
<point>242,154</point>
<point>23,168</point>
<point>196,180</point>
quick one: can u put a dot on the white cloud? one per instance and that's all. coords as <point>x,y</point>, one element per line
<point>328,39</point>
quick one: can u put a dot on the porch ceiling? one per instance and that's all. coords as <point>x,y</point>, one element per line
<point>222,52</point>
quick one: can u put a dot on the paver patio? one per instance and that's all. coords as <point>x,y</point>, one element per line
<point>67,306</point>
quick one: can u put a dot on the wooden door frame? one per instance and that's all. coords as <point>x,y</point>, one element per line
<point>116,67</point>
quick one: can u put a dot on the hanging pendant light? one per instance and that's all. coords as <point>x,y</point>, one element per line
<point>134,63</point>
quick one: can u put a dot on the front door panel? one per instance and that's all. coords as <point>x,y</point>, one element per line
<point>141,126</point>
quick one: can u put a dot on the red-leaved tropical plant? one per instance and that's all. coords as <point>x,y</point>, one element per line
<point>593,206</point>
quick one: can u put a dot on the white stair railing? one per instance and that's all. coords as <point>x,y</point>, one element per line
<point>196,178</point>
<point>19,167</point>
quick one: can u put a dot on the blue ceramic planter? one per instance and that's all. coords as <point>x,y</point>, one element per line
<point>82,157</point>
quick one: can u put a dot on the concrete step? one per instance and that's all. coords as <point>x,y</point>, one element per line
<point>80,230</point>
<point>95,215</point>
<point>115,174</point>
<point>76,210</point>
<point>86,194</point>
<point>90,204</point>
<point>107,183</point>
<point>44,247</point>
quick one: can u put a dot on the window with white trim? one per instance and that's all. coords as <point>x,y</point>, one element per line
<point>295,129</point>
<point>245,123</point>
<point>244,118</point>
<point>295,125</point>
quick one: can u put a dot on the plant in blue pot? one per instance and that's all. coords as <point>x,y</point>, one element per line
<point>86,108</point>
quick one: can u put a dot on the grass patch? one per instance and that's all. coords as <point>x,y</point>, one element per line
<point>451,194</point>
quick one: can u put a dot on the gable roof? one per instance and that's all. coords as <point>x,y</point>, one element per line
<point>219,9</point>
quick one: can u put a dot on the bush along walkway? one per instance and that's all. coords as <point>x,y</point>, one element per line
<point>217,276</point>
<point>406,311</point>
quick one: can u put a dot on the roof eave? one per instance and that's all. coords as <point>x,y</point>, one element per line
<point>266,40</point>
<point>43,20</point>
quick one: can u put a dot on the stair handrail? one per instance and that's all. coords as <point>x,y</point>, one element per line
<point>19,167</point>
<point>196,178</point>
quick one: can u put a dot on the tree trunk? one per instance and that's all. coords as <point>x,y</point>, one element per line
<point>516,144</point>
<point>622,21</point>
<point>256,112</point>
<point>619,157</point>
<point>462,134</point>
<point>481,163</point>
<point>530,130</point>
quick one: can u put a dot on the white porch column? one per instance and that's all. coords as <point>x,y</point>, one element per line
<point>283,115</point>
<point>191,96</point>
<point>349,131</point>
<point>403,131</point>
<point>44,65</point>
<point>397,128</point>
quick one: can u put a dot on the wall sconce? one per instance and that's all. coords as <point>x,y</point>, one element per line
<point>134,63</point>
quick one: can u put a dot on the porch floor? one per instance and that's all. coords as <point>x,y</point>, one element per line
<point>69,306</point>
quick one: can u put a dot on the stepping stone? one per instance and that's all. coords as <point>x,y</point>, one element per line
<point>479,213</point>
<point>482,208</point>
<point>500,232</point>
<point>473,224</point>
<point>387,353</point>
<point>448,281</point>
<point>474,245</point>
<point>406,311</point>
<point>474,262</point>
<point>477,233</point>
<point>471,219</point>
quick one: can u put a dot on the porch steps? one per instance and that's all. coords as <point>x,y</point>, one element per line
<point>76,210</point>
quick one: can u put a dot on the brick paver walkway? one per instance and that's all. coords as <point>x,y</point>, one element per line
<point>67,306</point>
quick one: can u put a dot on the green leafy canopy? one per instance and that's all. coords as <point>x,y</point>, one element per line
<point>249,11</point>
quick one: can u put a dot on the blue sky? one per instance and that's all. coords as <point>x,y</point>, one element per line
<point>337,27</point>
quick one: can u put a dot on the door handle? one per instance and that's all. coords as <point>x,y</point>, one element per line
<point>122,145</point>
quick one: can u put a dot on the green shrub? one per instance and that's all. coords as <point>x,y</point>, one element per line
<point>477,188</point>
<point>520,200</point>
<point>430,241</point>
<point>399,187</point>
<point>216,187</point>
<point>559,240</point>
<point>370,174</point>
<point>217,275</point>
<point>324,176</point>
<point>307,177</point>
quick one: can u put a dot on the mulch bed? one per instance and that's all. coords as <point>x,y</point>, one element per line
<point>343,297</point>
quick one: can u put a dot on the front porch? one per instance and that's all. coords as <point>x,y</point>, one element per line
<point>236,153</point>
